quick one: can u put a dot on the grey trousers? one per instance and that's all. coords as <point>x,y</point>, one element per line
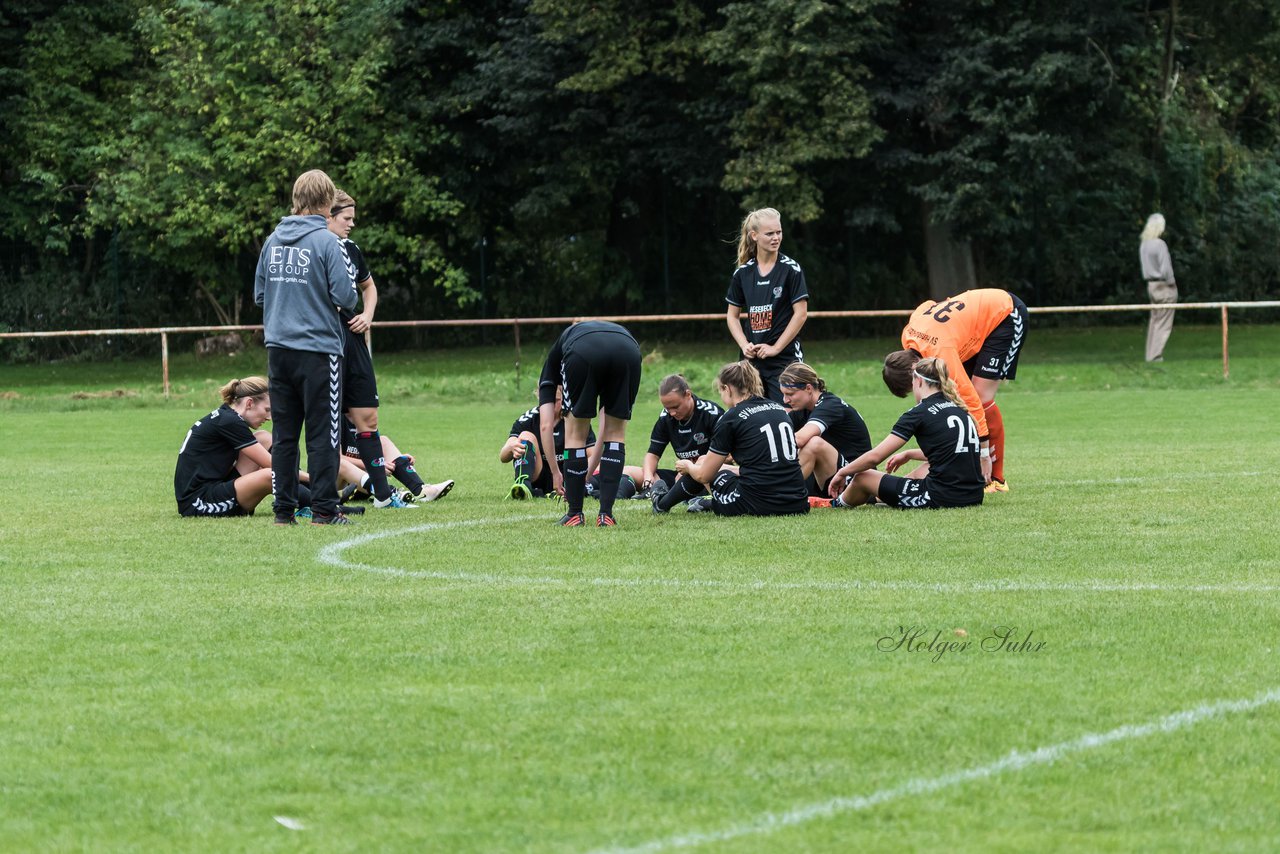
<point>1161,323</point>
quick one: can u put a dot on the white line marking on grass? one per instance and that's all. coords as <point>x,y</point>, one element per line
<point>1015,760</point>
<point>332,555</point>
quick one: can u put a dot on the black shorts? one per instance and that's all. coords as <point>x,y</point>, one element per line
<point>359,387</point>
<point>212,499</point>
<point>604,367</point>
<point>998,358</point>
<point>917,493</point>
<point>728,500</point>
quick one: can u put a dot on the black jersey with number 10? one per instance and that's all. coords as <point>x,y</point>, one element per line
<point>759,436</point>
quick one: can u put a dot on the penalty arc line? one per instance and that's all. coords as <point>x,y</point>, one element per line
<point>1015,760</point>
<point>333,555</point>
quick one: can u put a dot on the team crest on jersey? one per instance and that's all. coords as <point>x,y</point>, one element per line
<point>777,291</point>
<point>699,437</point>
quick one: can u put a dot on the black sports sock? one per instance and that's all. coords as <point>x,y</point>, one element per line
<point>626,487</point>
<point>611,463</point>
<point>406,474</point>
<point>523,466</point>
<point>304,495</point>
<point>575,477</point>
<point>369,444</point>
<point>685,488</point>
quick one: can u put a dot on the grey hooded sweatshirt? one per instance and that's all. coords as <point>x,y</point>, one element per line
<point>303,277</point>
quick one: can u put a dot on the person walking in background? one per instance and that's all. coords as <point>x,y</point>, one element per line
<point>768,300</point>
<point>1157,269</point>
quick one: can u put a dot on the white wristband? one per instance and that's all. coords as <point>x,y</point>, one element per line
<point>986,453</point>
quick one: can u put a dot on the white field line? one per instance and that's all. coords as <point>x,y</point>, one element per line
<point>333,555</point>
<point>1015,760</point>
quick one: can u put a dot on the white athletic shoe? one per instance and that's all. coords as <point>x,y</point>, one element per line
<point>433,491</point>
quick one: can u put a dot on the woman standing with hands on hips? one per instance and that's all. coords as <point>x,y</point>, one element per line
<point>768,300</point>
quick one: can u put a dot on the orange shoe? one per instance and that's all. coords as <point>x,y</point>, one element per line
<point>815,501</point>
<point>996,486</point>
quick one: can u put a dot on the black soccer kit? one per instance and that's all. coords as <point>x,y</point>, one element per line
<point>204,479</point>
<point>840,425</point>
<point>948,437</point>
<point>359,386</point>
<point>689,439</point>
<point>531,422</point>
<point>759,436</point>
<point>767,307</point>
<point>594,361</point>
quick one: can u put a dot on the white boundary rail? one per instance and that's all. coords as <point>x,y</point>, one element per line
<point>516,322</point>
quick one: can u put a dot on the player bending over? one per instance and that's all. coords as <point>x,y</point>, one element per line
<point>523,450</point>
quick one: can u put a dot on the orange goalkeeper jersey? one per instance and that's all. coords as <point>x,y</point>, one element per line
<point>954,330</point>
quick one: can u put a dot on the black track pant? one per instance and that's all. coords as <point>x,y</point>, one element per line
<point>305,388</point>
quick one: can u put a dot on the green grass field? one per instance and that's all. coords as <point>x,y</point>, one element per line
<point>467,677</point>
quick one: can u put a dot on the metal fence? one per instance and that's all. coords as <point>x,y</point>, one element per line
<point>517,322</point>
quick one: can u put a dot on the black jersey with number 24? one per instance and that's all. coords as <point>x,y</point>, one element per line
<point>948,437</point>
<point>759,436</point>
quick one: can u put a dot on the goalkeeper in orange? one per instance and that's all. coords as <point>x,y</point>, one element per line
<point>979,334</point>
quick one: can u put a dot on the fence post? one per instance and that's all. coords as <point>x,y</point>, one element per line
<point>164,361</point>
<point>515,327</point>
<point>1226,369</point>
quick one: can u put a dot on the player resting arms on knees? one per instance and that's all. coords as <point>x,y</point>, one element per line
<point>359,385</point>
<point>948,446</point>
<point>768,300</point>
<point>829,431</point>
<point>222,469</point>
<point>598,365</point>
<point>686,424</point>
<point>524,451</point>
<point>758,433</point>
<point>979,334</point>
<point>397,464</point>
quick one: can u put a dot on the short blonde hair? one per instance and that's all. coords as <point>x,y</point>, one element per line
<point>341,200</point>
<point>313,193</point>
<point>1154,227</point>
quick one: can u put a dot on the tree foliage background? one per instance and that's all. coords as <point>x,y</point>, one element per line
<point>526,157</point>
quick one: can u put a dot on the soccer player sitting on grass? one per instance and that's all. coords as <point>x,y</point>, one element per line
<point>523,450</point>
<point>829,431</point>
<point>395,463</point>
<point>979,335</point>
<point>948,446</point>
<point>758,433</point>
<point>686,424</point>
<point>222,470</point>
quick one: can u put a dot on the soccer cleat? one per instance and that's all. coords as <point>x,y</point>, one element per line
<point>572,520</point>
<point>335,519</point>
<point>302,513</point>
<point>816,501</point>
<point>604,520</point>
<point>351,510</point>
<point>996,486</point>
<point>344,494</point>
<point>393,502</point>
<point>285,518</point>
<point>657,492</point>
<point>436,491</point>
<point>699,505</point>
<point>520,490</point>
